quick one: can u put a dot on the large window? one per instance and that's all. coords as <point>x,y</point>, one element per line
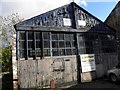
<point>46,44</point>
<point>92,43</point>
<point>31,51</point>
<point>21,46</point>
<point>63,44</point>
<point>89,43</point>
<point>38,44</point>
<point>29,44</point>
<point>81,44</point>
<point>108,43</point>
<point>35,44</point>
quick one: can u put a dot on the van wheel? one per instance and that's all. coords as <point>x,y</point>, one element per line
<point>113,78</point>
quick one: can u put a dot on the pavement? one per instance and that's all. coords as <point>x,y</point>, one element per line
<point>100,83</point>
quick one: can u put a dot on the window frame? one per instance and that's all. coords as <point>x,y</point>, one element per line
<point>65,47</point>
<point>26,47</point>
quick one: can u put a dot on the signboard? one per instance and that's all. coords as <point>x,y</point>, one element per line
<point>81,23</point>
<point>67,22</point>
<point>88,62</point>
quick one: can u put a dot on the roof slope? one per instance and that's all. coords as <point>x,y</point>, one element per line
<point>70,16</point>
<point>113,20</point>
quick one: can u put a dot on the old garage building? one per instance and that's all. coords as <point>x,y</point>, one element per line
<point>57,45</point>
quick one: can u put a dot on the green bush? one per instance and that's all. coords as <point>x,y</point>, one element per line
<point>6,59</point>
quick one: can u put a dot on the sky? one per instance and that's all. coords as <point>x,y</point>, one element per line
<point>30,8</point>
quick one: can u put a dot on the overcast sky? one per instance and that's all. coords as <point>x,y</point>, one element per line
<point>29,8</point>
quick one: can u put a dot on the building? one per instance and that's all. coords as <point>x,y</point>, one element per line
<point>113,20</point>
<point>67,45</point>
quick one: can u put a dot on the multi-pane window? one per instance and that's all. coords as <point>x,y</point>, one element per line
<point>46,43</point>
<point>38,44</point>
<point>81,44</point>
<point>21,44</point>
<point>108,43</point>
<point>88,43</point>
<point>63,44</point>
<point>89,38</point>
<point>30,44</point>
<point>34,44</point>
<point>96,43</point>
<point>70,44</point>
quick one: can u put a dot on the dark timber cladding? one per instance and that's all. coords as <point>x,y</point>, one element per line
<point>113,20</point>
<point>49,46</point>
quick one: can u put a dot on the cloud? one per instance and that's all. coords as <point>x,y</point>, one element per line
<point>30,8</point>
<point>83,2</point>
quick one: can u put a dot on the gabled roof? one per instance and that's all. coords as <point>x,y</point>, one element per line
<point>26,22</point>
<point>72,12</point>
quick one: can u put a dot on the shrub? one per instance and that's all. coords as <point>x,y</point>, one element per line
<point>6,59</point>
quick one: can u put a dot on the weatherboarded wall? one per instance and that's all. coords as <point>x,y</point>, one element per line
<point>38,73</point>
<point>113,20</point>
